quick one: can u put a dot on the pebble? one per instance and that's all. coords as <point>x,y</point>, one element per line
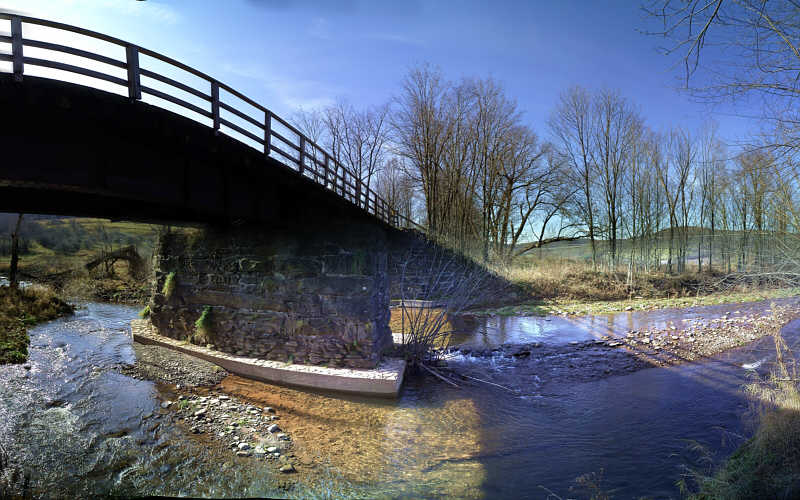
<point>287,468</point>
<point>166,404</point>
<point>243,446</point>
<point>242,453</point>
<point>272,449</point>
<point>200,412</point>
<point>273,428</point>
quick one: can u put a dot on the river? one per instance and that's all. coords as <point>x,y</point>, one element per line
<point>82,428</point>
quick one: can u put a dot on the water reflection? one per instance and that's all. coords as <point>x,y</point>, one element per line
<point>492,331</point>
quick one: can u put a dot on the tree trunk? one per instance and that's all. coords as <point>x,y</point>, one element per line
<point>12,273</point>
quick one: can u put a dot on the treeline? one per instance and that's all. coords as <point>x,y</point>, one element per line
<point>458,158</point>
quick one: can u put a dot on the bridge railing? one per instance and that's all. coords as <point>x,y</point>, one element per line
<point>246,120</point>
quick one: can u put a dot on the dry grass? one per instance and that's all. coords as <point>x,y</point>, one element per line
<point>568,280</point>
<point>22,308</point>
<point>119,289</point>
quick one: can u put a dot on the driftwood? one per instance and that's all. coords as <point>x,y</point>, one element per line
<point>438,375</point>
<point>487,382</point>
<point>128,254</point>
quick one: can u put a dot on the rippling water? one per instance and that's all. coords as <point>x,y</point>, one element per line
<point>80,429</point>
<point>78,426</point>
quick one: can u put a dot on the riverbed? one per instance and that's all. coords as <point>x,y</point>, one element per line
<point>78,425</point>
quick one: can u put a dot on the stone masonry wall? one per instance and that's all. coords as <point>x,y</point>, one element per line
<point>309,295</point>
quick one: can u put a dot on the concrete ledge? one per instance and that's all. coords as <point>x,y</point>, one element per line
<point>384,381</point>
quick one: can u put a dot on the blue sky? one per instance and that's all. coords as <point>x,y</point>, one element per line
<point>290,53</point>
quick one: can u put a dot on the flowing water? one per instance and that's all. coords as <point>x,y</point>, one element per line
<point>81,428</point>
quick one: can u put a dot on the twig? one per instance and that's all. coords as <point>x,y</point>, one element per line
<point>487,382</point>
<point>441,377</point>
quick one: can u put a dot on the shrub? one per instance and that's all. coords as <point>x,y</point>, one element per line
<point>20,308</point>
<point>145,313</point>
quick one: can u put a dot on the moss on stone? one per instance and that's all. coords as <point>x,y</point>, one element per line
<point>169,285</point>
<point>203,329</point>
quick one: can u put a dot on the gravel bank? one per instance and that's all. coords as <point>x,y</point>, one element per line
<point>166,366</point>
<point>194,401</point>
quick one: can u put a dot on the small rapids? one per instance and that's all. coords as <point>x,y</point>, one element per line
<point>81,429</point>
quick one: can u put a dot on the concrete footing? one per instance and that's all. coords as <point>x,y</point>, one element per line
<point>383,381</point>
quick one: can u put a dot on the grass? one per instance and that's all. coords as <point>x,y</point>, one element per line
<point>169,285</point>
<point>768,464</point>
<point>47,255</point>
<point>204,322</point>
<point>145,313</point>
<point>202,335</point>
<point>20,308</point>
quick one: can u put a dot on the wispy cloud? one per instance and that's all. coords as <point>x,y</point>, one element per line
<point>287,94</point>
<point>151,10</point>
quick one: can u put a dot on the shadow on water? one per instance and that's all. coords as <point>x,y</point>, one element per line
<point>82,428</point>
<point>635,427</point>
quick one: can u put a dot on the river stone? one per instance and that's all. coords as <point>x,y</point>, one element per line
<point>273,428</point>
<point>244,446</point>
<point>272,449</point>
<point>287,468</point>
<point>166,404</point>
<point>200,412</point>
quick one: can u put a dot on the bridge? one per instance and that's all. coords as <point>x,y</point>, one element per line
<point>295,262</point>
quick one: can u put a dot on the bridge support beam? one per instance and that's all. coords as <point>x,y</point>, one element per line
<point>316,295</point>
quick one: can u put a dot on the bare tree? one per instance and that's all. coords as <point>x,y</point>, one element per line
<point>421,135</point>
<point>571,124</point>
<point>755,52</point>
